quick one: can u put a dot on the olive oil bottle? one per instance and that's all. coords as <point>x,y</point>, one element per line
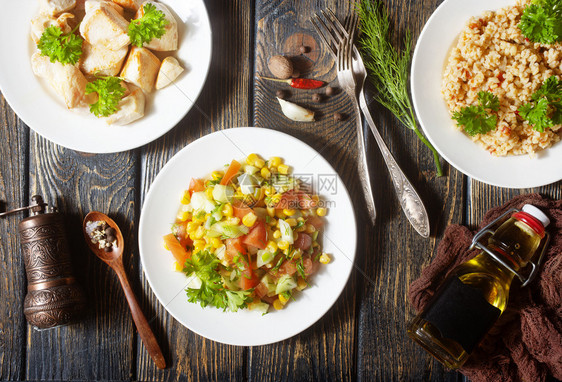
<point>475,293</point>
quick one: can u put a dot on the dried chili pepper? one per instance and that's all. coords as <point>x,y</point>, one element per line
<point>299,83</point>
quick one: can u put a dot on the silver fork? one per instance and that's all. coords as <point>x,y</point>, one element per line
<point>333,33</point>
<point>347,83</point>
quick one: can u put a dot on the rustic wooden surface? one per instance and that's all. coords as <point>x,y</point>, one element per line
<point>361,338</point>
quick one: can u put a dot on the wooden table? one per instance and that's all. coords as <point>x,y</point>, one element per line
<point>362,337</point>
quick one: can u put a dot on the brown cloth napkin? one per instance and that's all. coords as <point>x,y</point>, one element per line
<point>526,342</point>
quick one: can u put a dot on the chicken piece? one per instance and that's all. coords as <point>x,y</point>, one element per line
<point>129,4</point>
<point>98,60</point>
<point>54,7</point>
<point>43,21</point>
<point>169,41</point>
<point>90,5</point>
<point>141,68</point>
<point>67,80</point>
<point>169,71</point>
<point>131,107</point>
<point>103,25</point>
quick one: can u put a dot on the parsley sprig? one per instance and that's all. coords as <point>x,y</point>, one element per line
<point>545,108</point>
<point>541,21</point>
<point>478,119</point>
<point>151,25</point>
<point>64,48</point>
<point>109,91</point>
<point>204,265</point>
<point>388,69</point>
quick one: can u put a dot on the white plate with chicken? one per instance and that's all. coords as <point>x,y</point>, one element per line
<point>135,77</point>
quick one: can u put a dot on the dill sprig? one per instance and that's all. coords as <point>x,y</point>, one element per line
<point>387,68</point>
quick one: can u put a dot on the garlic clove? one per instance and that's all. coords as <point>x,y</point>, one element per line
<point>295,112</point>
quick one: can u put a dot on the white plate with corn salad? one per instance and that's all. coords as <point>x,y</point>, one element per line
<point>247,236</point>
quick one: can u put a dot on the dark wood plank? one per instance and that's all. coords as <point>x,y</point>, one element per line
<point>224,103</point>
<point>101,346</point>
<point>396,252</point>
<point>327,350</point>
<point>13,194</point>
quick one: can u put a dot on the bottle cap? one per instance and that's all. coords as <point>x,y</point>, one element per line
<point>537,214</point>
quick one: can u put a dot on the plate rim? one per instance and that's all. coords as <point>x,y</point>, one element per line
<point>177,157</point>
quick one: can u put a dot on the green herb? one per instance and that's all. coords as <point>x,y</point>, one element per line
<point>476,119</point>
<point>545,109</point>
<point>300,268</point>
<point>541,21</point>
<point>64,48</point>
<point>212,292</point>
<point>388,69</point>
<point>109,91</point>
<point>151,25</point>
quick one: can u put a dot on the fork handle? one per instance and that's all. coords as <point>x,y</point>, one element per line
<point>363,168</point>
<point>410,201</point>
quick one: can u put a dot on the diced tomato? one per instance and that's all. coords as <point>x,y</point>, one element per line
<point>303,241</point>
<point>248,280</point>
<point>295,200</point>
<point>310,266</point>
<point>231,172</point>
<point>180,232</point>
<point>261,290</point>
<point>257,237</point>
<point>234,247</point>
<point>240,209</point>
<point>316,221</point>
<point>180,252</point>
<point>196,185</point>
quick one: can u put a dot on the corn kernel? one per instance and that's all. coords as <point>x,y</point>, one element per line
<point>280,214</point>
<point>283,244</point>
<point>275,161</point>
<point>216,175</point>
<point>177,267</point>
<point>310,228</point>
<point>271,211</point>
<point>295,236</point>
<point>249,219</point>
<point>209,193</point>
<point>259,163</point>
<point>301,284</point>
<point>289,212</point>
<point>266,174</point>
<point>325,258</point>
<point>191,227</point>
<point>277,234</point>
<point>251,159</point>
<point>271,246</point>
<point>186,198</point>
<point>292,222</point>
<point>197,219</point>
<point>184,215</point>
<point>199,244</point>
<point>283,298</point>
<point>227,210</point>
<point>278,305</point>
<point>321,211</point>
<point>216,242</point>
<point>283,169</point>
<point>199,233</point>
<point>315,198</point>
<point>296,254</point>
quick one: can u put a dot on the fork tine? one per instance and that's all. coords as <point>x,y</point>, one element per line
<point>343,32</point>
<point>321,31</point>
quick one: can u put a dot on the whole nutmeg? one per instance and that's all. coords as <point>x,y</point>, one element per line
<point>280,67</point>
<point>338,117</point>
<point>330,91</point>
<point>280,94</point>
<point>296,73</point>
<point>316,97</point>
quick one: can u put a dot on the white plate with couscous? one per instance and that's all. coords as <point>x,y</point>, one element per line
<point>469,65</point>
<point>212,153</point>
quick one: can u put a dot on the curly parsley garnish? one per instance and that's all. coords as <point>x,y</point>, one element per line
<point>541,21</point>
<point>545,108</point>
<point>204,265</point>
<point>64,48</point>
<point>477,119</point>
<point>109,91</point>
<point>151,25</point>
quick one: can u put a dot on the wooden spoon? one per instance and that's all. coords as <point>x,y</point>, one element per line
<point>114,259</point>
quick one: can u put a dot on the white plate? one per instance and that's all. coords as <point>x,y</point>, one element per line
<point>430,55</point>
<point>245,327</point>
<point>35,103</point>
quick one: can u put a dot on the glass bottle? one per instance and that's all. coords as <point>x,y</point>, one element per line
<point>475,294</point>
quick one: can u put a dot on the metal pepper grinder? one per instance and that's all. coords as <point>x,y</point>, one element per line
<point>53,296</point>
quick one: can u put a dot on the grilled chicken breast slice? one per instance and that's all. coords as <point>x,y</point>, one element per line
<point>131,107</point>
<point>98,60</point>
<point>141,68</point>
<point>169,41</point>
<point>104,25</point>
<point>169,71</point>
